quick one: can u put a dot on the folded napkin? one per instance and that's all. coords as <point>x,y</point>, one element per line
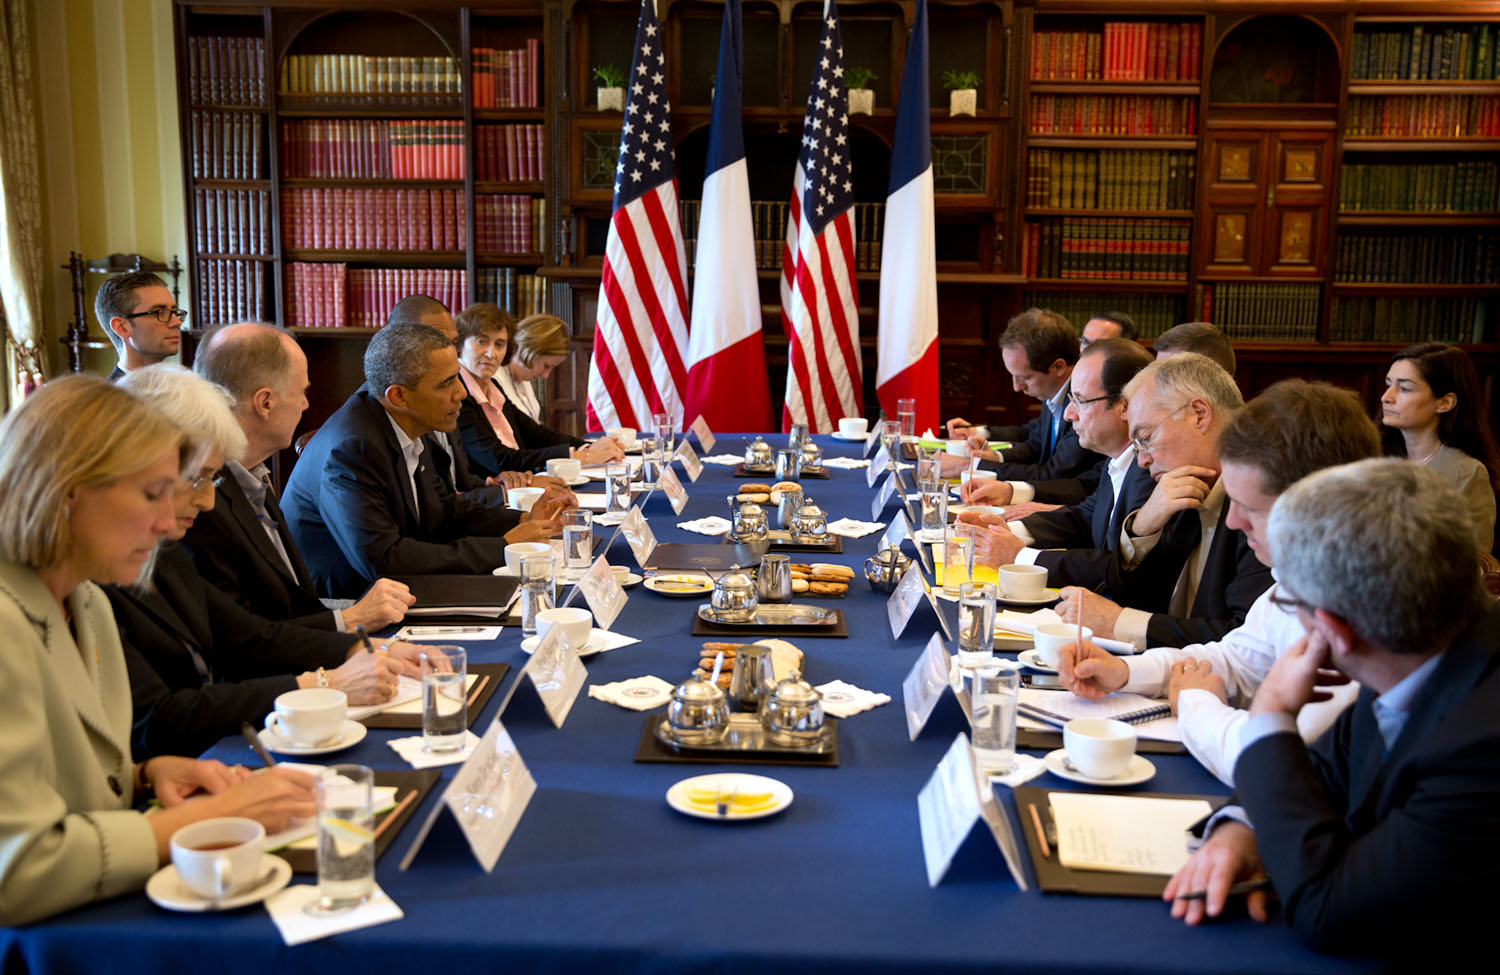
<point>853,527</point>
<point>609,519</point>
<point>846,463</point>
<point>1027,768</point>
<point>712,525</point>
<point>637,694</point>
<point>727,460</point>
<point>411,750</point>
<point>842,700</point>
<point>288,908</point>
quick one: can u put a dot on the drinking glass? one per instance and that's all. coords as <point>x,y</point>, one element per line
<point>538,590</point>
<point>578,538</point>
<point>929,467</point>
<point>976,624</point>
<point>346,838</point>
<point>958,561</point>
<point>617,487</point>
<point>906,414</point>
<point>992,715</point>
<point>890,438</point>
<point>934,507</point>
<point>662,422</point>
<point>445,710</point>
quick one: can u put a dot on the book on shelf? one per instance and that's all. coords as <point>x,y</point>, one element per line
<point>506,78</point>
<point>1122,51</point>
<point>334,295</point>
<point>1264,311</point>
<point>1108,249</point>
<point>230,291</point>
<point>226,71</point>
<point>1423,116</point>
<point>1128,115</point>
<point>226,145</point>
<point>510,152</point>
<point>232,221</point>
<point>1460,256</point>
<point>1462,187</point>
<point>1378,318</point>
<point>372,149</point>
<point>1110,179</point>
<point>361,74</point>
<point>340,218</point>
<point>1424,52</point>
<point>510,223</point>
<point>518,293</point>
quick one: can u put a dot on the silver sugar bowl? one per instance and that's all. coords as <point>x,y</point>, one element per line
<point>810,523</point>
<point>793,713</point>
<point>884,569</point>
<point>733,599</point>
<point>698,713</point>
<point>759,456</point>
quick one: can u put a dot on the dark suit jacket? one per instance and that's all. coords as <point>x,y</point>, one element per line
<point>487,454</point>
<point>349,505</point>
<point>1049,464</point>
<point>251,659</point>
<point>1233,578</point>
<point>1088,532</point>
<point>1377,854</point>
<point>233,554</point>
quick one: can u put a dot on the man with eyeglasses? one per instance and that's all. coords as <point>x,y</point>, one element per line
<point>1075,543</point>
<point>1184,574</point>
<point>141,318</point>
<point>1293,429</point>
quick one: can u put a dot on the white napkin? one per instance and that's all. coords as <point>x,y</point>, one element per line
<point>853,527</point>
<point>637,693</point>
<point>609,519</point>
<point>846,463</point>
<point>712,525</point>
<point>411,750</point>
<point>1027,768</point>
<point>842,700</point>
<point>597,501</point>
<point>727,460</point>
<point>287,909</point>
<point>612,640</point>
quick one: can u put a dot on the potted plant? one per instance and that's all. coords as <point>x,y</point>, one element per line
<point>861,96</point>
<point>611,89</point>
<point>963,91</point>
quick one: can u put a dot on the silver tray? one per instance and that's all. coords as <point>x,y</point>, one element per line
<point>778,614</point>
<point>746,735</point>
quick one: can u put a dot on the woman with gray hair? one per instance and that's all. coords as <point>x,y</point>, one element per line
<point>200,664</point>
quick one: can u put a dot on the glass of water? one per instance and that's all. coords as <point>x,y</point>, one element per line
<point>346,838</point>
<point>992,715</point>
<point>958,561</point>
<point>976,624</point>
<point>906,415</point>
<point>934,509</point>
<point>445,710</point>
<point>538,589</point>
<point>617,487</point>
<point>662,422</point>
<point>578,538</point>
<point>890,438</point>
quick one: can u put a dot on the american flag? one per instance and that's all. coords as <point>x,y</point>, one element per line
<point>819,294</point>
<point>641,328</point>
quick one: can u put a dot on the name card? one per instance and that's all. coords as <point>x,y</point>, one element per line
<point>870,440</point>
<point>705,436</point>
<point>676,493</point>
<point>557,674</point>
<point>956,796</point>
<point>937,609</point>
<point>904,600</point>
<point>638,535</point>
<point>882,498</point>
<point>487,797</point>
<point>604,595</point>
<point>690,461</point>
<point>897,532</point>
<point>924,685</point>
<point>877,466</point>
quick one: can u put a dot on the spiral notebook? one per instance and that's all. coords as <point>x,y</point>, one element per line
<point>1053,709</point>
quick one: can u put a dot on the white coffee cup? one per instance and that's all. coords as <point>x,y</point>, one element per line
<point>308,716</point>
<point>997,511</point>
<point>626,436</point>
<point>984,476</point>
<point>565,468</point>
<point>522,498</point>
<point>853,426</point>
<point>516,551</point>
<point>1050,638</point>
<point>958,448</point>
<point>577,623</point>
<point>219,857</point>
<point>1099,747</point>
<point>1022,581</point>
<point>621,573</point>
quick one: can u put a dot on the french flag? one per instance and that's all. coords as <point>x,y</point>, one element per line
<point>907,343</point>
<point>727,380</point>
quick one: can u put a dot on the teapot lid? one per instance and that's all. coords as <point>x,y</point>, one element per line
<point>810,507</point>
<point>734,579</point>
<point>792,689</point>
<point>696,689</point>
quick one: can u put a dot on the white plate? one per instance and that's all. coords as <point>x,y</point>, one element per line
<point>166,889</point>
<point>738,782</point>
<point>595,644</point>
<point>860,438</point>
<point>1030,659</point>
<point>1049,596</point>
<point>352,734</point>
<point>1139,770</point>
<point>680,580</point>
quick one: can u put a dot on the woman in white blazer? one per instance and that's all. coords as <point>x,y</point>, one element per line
<point>89,474</point>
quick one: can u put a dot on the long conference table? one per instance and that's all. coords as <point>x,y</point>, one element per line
<point>601,874</point>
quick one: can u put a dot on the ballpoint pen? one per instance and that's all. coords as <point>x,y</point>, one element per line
<point>369,647</point>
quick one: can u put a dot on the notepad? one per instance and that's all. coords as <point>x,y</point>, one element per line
<point>1053,709</point>
<point>1123,834</point>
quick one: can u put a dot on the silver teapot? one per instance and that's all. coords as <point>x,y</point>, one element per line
<point>884,569</point>
<point>698,713</point>
<point>787,507</point>
<point>759,456</point>
<point>812,456</point>
<point>792,714</point>
<point>811,522</point>
<point>733,599</point>
<point>747,520</point>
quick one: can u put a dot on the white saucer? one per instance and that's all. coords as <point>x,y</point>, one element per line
<point>166,889</point>
<point>1139,770</point>
<point>1030,659</point>
<point>352,734</point>
<point>856,439</point>
<point>730,782</point>
<point>1048,597</point>
<point>929,535</point>
<point>504,570</point>
<point>595,644</point>
<point>580,479</point>
<point>631,579</point>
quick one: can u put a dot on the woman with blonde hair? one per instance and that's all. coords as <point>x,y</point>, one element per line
<point>89,473</point>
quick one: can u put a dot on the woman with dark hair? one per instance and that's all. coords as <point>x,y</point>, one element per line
<point>1433,415</point>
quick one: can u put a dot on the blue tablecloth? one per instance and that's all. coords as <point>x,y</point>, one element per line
<point>602,873</point>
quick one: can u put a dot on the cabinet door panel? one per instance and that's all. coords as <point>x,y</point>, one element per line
<point>1297,203</point>
<point>1236,167</point>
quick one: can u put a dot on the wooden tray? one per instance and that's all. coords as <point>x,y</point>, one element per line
<point>413,783</point>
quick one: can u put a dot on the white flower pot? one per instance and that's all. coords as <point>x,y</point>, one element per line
<point>962,101</point>
<point>861,101</point>
<point>611,98</point>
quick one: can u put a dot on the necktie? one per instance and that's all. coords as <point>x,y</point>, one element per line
<point>268,513</point>
<point>1106,531</point>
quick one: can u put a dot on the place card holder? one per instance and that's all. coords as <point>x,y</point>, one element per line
<point>706,438</point>
<point>954,800</point>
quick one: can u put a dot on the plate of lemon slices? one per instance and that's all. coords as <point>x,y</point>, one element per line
<point>729,796</point>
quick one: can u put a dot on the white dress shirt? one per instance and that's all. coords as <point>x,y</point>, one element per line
<point>1116,469</point>
<point>523,394</point>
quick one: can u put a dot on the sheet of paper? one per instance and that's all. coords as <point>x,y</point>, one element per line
<point>1123,834</point>
<point>408,689</point>
<point>443,634</point>
<point>302,834</point>
<point>1068,706</point>
<point>415,707</point>
<point>596,501</point>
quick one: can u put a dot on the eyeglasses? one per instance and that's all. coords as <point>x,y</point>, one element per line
<point>1142,442</point>
<point>201,480</point>
<point>1081,403</point>
<point>1289,603</point>
<point>163,315</point>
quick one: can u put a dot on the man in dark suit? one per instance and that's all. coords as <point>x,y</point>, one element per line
<point>1088,532</point>
<point>1046,461</point>
<point>366,498</point>
<point>140,318</point>
<point>1382,837</point>
<point>1185,575</point>
<point>242,545</point>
